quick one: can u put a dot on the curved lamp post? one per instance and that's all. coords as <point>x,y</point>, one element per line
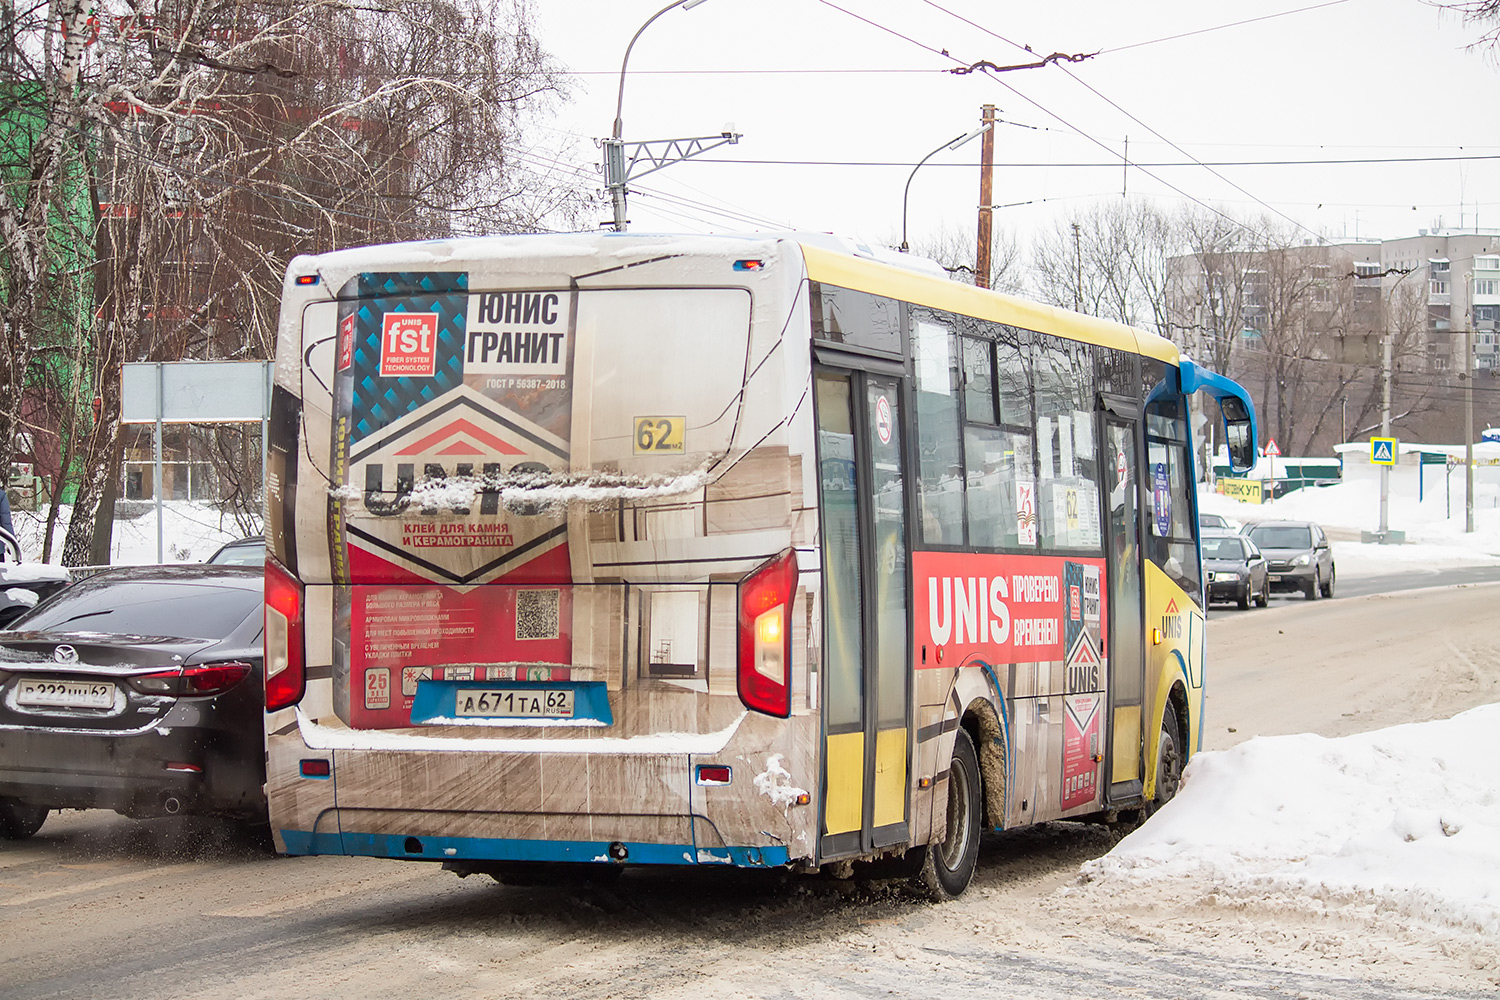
<point>615,163</point>
<point>953,144</point>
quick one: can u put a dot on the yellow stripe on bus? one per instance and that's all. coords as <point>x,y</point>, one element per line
<point>844,802</point>
<point>952,296</point>
<point>890,776</point>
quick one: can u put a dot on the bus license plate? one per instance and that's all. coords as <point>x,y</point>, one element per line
<point>65,694</point>
<point>501,703</point>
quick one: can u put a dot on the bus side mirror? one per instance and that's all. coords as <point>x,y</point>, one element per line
<point>1237,434</point>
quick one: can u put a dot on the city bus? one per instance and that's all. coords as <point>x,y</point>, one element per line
<point>768,551</point>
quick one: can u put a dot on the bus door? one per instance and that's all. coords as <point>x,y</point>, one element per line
<point>1127,660</point>
<point>866,675</point>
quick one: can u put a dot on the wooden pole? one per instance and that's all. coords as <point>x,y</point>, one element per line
<point>986,197</point>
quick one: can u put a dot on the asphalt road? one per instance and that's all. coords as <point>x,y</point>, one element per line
<point>1415,578</point>
<point>104,907</point>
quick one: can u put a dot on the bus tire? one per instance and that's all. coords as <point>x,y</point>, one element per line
<point>1168,763</point>
<point>19,821</point>
<point>947,867</point>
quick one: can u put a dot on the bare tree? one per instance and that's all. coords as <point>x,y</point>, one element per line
<point>226,136</point>
<point>953,247</point>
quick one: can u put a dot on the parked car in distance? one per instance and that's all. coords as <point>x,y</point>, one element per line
<point>23,585</point>
<point>1216,521</point>
<point>240,552</point>
<point>1234,570</point>
<point>137,689</point>
<point>1298,556</point>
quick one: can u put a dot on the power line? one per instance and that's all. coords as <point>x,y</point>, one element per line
<point>1114,164</point>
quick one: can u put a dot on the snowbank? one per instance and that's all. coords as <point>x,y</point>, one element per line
<point>1404,820</point>
<point>191,532</point>
<point>1434,528</point>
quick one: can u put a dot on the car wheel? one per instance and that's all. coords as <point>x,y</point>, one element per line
<point>1265,595</point>
<point>1328,587</point>
<point>947,868</point>
<point>1312,588</point>
<point>18,821</point>
<point>1168,763</point>
<point>1244,598</point>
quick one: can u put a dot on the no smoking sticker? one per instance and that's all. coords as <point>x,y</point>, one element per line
<point>883,420</point>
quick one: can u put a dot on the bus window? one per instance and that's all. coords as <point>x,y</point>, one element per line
<point>1067,454</point>
<point>856,319</point>
<point>1169,483</point>
<point>998,460</point>
<point>940,466</point>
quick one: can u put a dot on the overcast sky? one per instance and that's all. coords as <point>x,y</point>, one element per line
<point>1355,79</point>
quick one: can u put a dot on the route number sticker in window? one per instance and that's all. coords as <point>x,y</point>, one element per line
<point>659,434</point>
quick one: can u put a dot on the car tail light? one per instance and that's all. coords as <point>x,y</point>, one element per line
<point>286,678</point>
<point>765,636</point>
<point>196,681</point>
<point>713,774</point>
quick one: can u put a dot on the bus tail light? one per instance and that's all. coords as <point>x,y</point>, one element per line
<point>286,678</point>
<point>765,636</point>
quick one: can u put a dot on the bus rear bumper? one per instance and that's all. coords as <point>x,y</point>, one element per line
<point>442,848</point>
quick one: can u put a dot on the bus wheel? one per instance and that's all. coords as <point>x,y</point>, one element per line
<point>18,821</point>
<point>948,867</point>
<point>1168,763</point>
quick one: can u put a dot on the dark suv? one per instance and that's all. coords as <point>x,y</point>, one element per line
<point>1298,556</point>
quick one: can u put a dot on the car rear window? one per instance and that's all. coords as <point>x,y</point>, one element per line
<point>138,607</point>
<point>1223,548</point>
<point>1282,537</point>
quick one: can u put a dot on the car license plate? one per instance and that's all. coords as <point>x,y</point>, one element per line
<point>65,694</point>
<point>511,703</point>
<point>1273,578</point>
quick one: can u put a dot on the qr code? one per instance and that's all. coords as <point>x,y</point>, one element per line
<point>536,614</point>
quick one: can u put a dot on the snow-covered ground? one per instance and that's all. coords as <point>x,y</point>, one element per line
<point>191,531</point>
<point>1404,821</point>
<point>1401,822</point>
<point>1435,533</point>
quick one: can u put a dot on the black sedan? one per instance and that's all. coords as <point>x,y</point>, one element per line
<point>138,690</point>
<point>1234,570</point>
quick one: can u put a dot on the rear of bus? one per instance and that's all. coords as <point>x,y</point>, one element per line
<point>537,514</point>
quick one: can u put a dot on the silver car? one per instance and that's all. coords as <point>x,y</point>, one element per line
<point>1298,556</point>
<point>1234,570</point>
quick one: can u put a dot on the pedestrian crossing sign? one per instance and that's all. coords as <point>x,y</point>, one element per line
<point>1383,451</point>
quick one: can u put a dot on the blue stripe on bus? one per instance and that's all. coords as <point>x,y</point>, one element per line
<point>378,845</point>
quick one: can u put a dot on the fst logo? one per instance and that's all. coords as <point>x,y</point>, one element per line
<point>408,345</point>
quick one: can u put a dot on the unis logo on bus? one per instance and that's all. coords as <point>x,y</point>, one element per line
<point>1171,621</point>
<point>455,445</point>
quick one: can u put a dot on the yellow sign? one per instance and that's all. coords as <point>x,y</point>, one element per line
<point>654,435</point>
<point>1383,451</point>
<point>1243,490</point>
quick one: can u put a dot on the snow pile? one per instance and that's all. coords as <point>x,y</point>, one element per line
<point>1405,821</point>
<point>191,531</point>
<point>1435,535</point>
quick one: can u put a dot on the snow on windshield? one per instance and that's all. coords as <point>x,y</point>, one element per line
<point>1403,820</point>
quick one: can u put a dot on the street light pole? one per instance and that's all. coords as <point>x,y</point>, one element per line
<point>951,144</point>
<point>1468,403</point>
<point>614,147</point>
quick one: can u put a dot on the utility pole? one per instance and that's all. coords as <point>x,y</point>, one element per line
<point>986,199</point>
<point>1468,404</point>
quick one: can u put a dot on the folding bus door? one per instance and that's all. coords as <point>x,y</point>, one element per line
<point>1126,651</point>
<point>866,700</point>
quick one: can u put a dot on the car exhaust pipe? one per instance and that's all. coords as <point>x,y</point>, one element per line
<point>171,805</point>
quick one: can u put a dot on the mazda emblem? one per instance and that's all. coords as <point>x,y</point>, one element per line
<point>65,654</point>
